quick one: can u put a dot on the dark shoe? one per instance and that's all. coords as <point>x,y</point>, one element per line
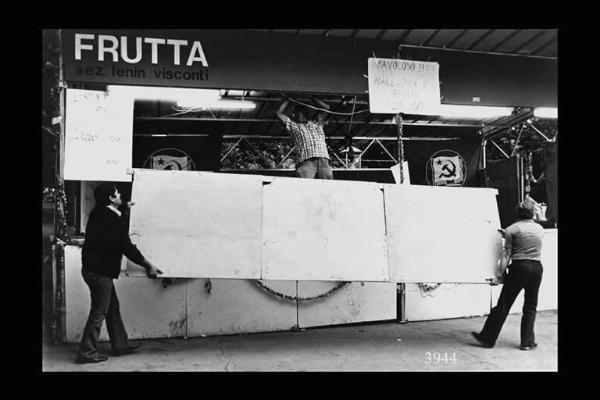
<point>482,342</point>
<point>90,360</point>
<point>126,350</point>
<point>525,348</point>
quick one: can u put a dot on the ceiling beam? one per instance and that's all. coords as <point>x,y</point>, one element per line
<point>532,39</point>
<point>478,51</point>
<point>506,39</point>
<point>476,42</point>
<point>495,130</point>
<point>451,43</point>
<point>545,45</point>
<point>405,35</point>
<point>380,34</point>
<point>192,119</point>
<point>426,42</point>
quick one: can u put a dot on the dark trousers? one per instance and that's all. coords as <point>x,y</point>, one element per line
<point>522,274</point>
<point>313,166</point>
<point>105,306</point>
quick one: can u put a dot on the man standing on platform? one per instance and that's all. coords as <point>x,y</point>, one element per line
<point>309,138</point>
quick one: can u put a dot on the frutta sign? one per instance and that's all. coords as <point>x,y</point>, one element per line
<point>134,58</point>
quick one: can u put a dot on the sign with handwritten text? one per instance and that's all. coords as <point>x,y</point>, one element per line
<point>98,136</point>
<point>403,86</point>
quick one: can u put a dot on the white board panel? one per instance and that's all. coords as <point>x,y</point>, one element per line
<point>198,224</point>
<point>442,234</point>
<point>87,201</point>
<point>323,230</point>
<point>352,303</point>
<point>98,136</point>
<point>448,300</point>
<point>77,297</point>
<point>148,309</point>
<point>230,306</point>
<point>548,298</point>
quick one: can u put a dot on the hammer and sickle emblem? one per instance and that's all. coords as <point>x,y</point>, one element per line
<point>450,171</point>
<point>170,166</point>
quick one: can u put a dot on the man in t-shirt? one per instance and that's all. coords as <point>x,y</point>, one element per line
<point>309,138</point>
<point>523,245</point>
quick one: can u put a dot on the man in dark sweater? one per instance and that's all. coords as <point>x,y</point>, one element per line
<point>106,241</point>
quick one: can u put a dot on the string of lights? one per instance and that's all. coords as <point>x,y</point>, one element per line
<point>323,109</point>
<point>427,288</point>
<point>297,298</point>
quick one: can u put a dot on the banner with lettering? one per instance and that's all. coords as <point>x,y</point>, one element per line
<point>403,86</point>
<point>220,59</point>
<point>98,136</point>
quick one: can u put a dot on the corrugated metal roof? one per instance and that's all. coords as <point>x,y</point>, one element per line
<point>524,42</point>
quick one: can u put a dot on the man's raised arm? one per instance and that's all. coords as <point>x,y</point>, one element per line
<point>281,112</point>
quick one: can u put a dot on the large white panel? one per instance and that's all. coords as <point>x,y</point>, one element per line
<point>87,201</point>
<point>148,309</point>
<point>77,297</point>
<point>198,224</point>
<point>548,293</point>
<point>323,230</point>
<point>354,302</point>
<point>548,298</point>
<point>228,306</point>
<point>442,234</point>
<point>448,300</point>
<point>98,136</point>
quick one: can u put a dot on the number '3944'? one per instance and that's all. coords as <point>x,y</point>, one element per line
<point>436,358</point>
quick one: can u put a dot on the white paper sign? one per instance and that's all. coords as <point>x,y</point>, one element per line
<point>98,136</point>
<point>403,86</point>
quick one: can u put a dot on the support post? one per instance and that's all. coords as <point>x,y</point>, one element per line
<point>60,208</point>
<point>538,131</point>
<point>483,149</point>
<point>399,122</point>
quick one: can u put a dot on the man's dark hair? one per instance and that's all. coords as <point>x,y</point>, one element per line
<point>525,211</point>
<point>103,192</point>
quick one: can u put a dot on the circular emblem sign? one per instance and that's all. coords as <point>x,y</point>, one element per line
<point>446,168</point>
<point>169,158</point>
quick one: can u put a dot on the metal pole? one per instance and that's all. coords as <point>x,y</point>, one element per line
<point>60,304</point>
<point>517,141</point>
<point>399,121</point>
<point>499,148</point>
<point>538,131</point>
<point>483,146</point>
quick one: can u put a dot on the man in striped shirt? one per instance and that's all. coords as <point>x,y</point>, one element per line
<point>309,139</point>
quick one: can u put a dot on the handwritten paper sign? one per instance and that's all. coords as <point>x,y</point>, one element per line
<point>403,86</point>
<point>98,136</point>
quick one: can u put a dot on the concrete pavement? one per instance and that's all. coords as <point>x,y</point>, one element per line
<point>441,345</point>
